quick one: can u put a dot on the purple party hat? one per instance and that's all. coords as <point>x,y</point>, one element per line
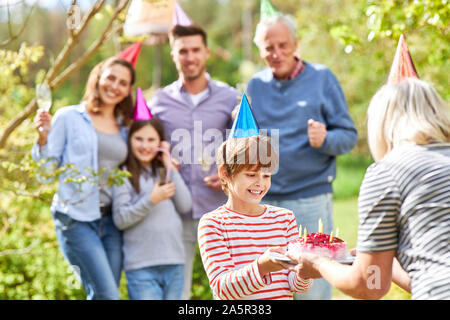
<point>141,110</point>
<point>180,17</point>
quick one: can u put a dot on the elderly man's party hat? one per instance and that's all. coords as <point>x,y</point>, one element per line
<point>141,110</point>
<point>131,54</point>
<point>402,66</point>
<point>245,124</point>
<point>267,10</point>
<point>180,17</point>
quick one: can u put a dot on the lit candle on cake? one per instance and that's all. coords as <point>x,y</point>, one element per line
<point>300,231</point>
<point>331,236</point>
<point>320,226</point>
<point>304,235</point>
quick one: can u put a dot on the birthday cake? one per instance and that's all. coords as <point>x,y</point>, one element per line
<point>319,243</point>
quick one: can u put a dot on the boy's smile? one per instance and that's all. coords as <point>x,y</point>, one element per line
<point>246,189</point>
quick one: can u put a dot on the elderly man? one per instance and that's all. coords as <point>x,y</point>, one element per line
<point>305,102</point>
<point>195,111</point>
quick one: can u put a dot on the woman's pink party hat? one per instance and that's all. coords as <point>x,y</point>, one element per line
<point>402,66</point>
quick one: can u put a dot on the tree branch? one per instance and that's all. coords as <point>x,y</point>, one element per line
<point>71,42</point>
<point>51,77</point>
<point>20,251</point>
<point>105,36</point>
<point>14,123</point>
<point>13,37</point>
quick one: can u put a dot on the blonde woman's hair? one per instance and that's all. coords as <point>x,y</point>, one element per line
<point>238,154</point>
<point>411,111</point>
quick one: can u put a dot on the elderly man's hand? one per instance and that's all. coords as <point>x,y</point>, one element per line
<point>317,133</point>
<point>306,265</point>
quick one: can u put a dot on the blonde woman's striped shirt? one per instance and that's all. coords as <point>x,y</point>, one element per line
<point>230,243</point>
<point>404,205</point>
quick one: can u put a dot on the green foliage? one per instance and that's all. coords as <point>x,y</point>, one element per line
<point>40,271</point>
<point>31,264</point>
<point>350,173</point>
<point>14,74</point>
<point>426,26</point>
<point>200,284</point>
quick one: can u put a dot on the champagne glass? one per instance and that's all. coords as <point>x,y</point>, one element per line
<point>207,160</point>
<point>241,88</point>
<point>44,100</point>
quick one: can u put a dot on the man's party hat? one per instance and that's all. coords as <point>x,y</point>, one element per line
<point>141,110</point>
<point>131,54</point>
<point>402,66</point>
<point>180,17</point>
<point>267,10</point>
<point>245,124</point>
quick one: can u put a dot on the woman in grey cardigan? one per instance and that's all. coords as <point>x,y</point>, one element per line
<point>148,213</point>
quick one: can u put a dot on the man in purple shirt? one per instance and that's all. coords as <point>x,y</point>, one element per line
<point>195,111</point>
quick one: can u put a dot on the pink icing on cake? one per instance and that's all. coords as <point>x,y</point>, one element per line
<point>319,243</point>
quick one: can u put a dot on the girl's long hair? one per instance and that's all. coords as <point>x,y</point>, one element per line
<point>124,109</point>
<point>132,164</point>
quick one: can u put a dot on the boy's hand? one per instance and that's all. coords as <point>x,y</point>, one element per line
<point>160,193</point>
<point>267,264</point>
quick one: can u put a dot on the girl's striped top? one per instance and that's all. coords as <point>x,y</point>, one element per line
<point>230,243</point>
<point>404,205</point>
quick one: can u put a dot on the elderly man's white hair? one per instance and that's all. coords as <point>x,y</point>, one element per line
<point>288,20</point>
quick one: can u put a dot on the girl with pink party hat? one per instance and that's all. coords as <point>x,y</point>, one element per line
<point>147,208</point>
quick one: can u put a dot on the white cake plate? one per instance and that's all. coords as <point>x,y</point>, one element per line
<point>281,257</point>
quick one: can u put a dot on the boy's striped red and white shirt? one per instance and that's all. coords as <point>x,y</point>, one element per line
<point>230,244</point>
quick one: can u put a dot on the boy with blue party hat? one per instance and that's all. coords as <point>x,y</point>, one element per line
<point>239,240</point>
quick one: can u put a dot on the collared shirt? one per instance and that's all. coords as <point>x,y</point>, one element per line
<point>195,132</point>
<point>298,68</point>
<point>72,140</point>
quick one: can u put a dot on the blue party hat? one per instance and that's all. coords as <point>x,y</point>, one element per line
<point>245,125</point>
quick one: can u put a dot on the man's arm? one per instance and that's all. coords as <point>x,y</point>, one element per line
<point>341,134</point>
